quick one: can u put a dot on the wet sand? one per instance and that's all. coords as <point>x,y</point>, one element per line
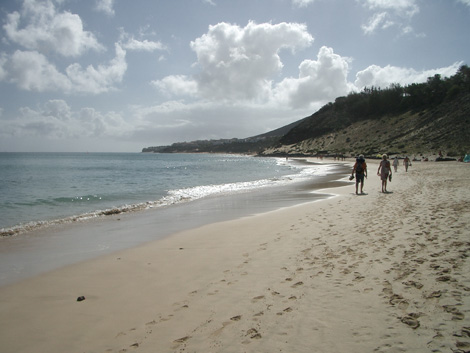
<point>370,273</point>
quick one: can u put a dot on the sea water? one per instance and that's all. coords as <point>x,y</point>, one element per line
<point>58,209</point>
<point>41,189</point>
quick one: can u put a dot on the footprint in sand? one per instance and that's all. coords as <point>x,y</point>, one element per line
<point>456,313</point>
<point>387,288</point>
<point>182,339</point>
<point>445,279</point>
<point>435,294</point>
<point>413,284</point>
<point>358,277</point>
<point>253,333</point>
<point>297,284</point>
<point>259,297</point>
<point>411,321</point>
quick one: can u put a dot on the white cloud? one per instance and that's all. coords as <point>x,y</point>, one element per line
<point>465,2</point>
<point>402,7</point>
<point>3,61</point>
<point>106,6</point>
<point>128,42</point>
<point>390,13</point>
<point>384,76</point>
<point>378,20</point>
<point>56,120</point>
<point>302,3</point>
<point>319,81</point>
<point>178,85</point>
<point>45,30</point>
<point>100,79</point>
<point>210,2</point>
<point>239,63</point>
<point>145,45</point>
<point>31,71</point>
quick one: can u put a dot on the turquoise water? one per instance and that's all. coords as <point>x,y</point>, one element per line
<point>38,189</point>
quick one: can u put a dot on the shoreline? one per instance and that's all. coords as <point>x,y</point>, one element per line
<point>166,200</point>
<point>379,272</point>
<point>49,248</point>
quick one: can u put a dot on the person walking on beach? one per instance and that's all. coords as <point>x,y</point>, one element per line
<point>406,163</point>
<point>384,172</point>
<point>360,168</point>
<point>395,164</point>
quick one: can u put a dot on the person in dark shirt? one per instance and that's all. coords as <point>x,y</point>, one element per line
<point>360,169</point>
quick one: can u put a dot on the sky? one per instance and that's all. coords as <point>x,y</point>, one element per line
<point>121,75</point>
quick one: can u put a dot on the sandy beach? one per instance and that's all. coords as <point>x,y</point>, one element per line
<point>369,273</point>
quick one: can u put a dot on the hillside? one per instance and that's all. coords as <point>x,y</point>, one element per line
<point>444,128</point>
<point>419,119</point>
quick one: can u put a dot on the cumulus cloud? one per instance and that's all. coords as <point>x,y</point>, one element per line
<point>39,27</point>
<point>32,71</point>
<point>238,63</point>
<point>384,76</point>
<point>241,64</point>
<point>56,120</point>
<point>319,81</point>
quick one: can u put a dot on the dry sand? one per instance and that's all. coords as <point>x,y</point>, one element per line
<point>372,273</point>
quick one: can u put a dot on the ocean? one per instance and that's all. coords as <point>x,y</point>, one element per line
<point>42,189</point>
<point>58,209</point>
